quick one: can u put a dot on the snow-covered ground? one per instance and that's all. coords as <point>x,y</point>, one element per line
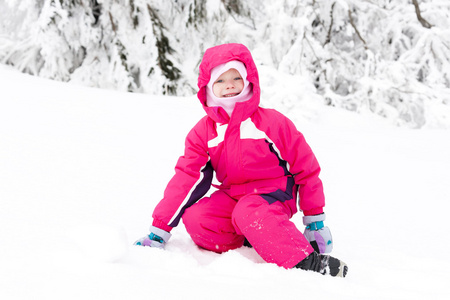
<point>81,170</point>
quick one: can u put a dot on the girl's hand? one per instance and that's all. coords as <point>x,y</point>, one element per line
<point>318,235</point>
<point>157,238</point>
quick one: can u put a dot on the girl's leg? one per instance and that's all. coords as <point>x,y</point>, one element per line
<point>208,222</point>
<point>268,228</point>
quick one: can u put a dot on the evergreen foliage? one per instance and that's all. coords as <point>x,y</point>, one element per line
<point>390,58</point>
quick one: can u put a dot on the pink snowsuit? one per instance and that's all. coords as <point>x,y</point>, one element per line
<point>261,161</point>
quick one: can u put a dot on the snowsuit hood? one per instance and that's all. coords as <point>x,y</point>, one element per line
<point>219,55</point>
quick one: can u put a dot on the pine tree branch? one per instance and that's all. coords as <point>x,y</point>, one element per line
<point>356,29</point>
<point>312,48</point>
<point>234,8</point>
<point>422,21</point>
<point>331,24</point>
<point>114,28</point>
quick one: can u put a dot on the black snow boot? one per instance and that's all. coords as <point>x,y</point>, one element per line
<point>323,264</point>
<point>247,243</point>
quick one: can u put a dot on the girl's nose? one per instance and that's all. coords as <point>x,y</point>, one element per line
<point>230,84</point>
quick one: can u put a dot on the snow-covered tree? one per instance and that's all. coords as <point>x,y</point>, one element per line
<point>390,58</point>
<point>111,44</point>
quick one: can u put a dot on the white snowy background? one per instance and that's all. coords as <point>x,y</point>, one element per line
<point>81,168</point>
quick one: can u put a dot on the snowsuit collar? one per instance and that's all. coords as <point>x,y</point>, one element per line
<point>221,54</point>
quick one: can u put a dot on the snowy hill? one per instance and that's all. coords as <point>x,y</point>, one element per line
<point>81,170</point>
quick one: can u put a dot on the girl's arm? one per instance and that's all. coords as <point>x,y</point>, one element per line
<point>302,164</point>
<point>192,179</point>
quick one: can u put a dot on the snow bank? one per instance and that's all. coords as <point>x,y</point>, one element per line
<point>81,170</point>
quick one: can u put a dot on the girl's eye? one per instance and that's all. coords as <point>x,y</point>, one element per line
<point>238,78</point>
<point>219,81</point>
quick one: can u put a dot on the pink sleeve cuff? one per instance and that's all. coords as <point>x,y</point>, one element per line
<point>314,211</point>
<point>161,225</point>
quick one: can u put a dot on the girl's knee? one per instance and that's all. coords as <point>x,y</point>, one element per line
<point>254,210</point>
<point>211,232</point>
<point>247,209</point>
<point>192,217</point>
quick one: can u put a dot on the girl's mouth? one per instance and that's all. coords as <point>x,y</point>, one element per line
<point>230,95</point>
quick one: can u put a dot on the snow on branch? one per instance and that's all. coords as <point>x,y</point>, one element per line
<point>364,56</point>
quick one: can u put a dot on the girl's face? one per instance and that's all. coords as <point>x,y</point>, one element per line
<point>229,84</point>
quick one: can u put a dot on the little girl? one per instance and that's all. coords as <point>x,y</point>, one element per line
<point>261,161</point>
